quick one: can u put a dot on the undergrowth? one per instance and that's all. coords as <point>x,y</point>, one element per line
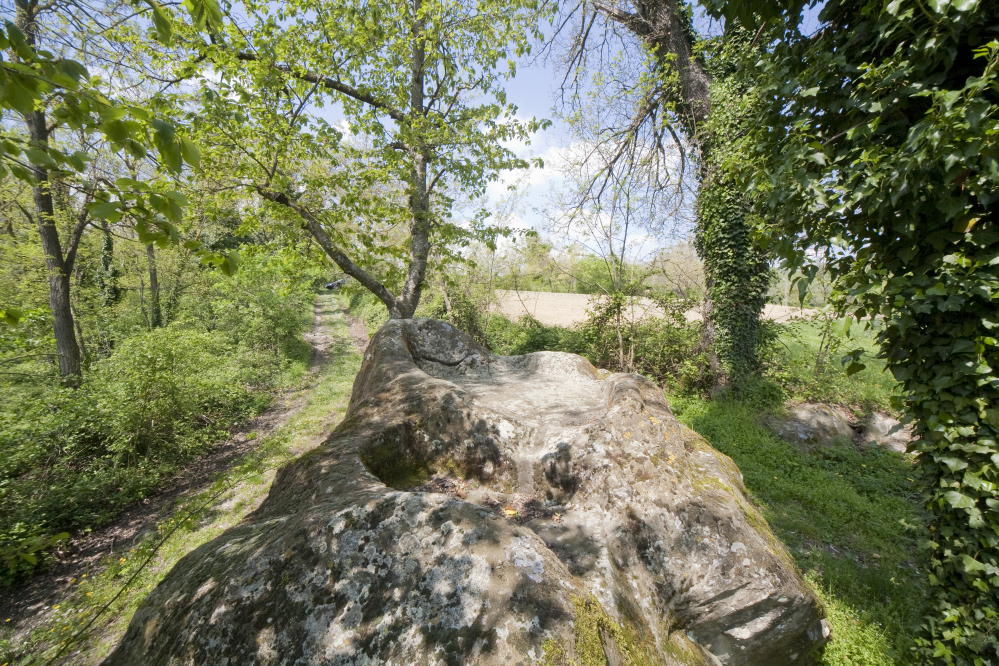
<point>72,458</point>
<point>94,611</point>
<point>805,361</point>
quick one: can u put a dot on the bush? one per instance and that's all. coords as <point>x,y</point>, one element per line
<point>72,459</point>
<point>163,393</point>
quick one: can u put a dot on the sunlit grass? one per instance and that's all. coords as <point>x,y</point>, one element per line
<point>849,519</point>
<point>805,378</point>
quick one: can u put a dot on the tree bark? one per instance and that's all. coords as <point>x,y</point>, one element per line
<point>419,198</point>
<point>58,270</point>
<point>155,314</point>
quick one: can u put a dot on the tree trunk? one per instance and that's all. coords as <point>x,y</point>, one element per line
<point>419,197</point>
<point>59,287</point>
<point>79,332</point>
<point>155,314</point>
<point>142,301</point>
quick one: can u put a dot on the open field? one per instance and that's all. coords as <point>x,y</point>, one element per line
<point>569,309</point>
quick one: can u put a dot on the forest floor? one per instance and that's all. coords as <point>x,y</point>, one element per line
<point>554,309</point>
<point>90,595</point>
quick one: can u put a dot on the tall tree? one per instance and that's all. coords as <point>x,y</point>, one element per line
<point>59,263</point>
<point>876,151</point>
<point>51,94</point>
<point>419,83</point>
<point>676,101</point>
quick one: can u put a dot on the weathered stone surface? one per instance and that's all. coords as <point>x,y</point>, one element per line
<point>886,432</point>
<point>574,521</point>
<point>814,424</point>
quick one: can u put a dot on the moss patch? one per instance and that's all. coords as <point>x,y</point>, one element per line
<point>596,632</point>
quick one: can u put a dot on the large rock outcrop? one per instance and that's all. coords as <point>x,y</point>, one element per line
<point>575,522</point>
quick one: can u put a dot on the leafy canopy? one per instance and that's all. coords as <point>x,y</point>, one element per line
<point>425,122</point>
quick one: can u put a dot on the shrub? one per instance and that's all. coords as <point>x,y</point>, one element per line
<point>169,390</point>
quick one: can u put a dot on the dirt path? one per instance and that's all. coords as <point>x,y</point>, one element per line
<point>358,331</point>
<point>26,604</point>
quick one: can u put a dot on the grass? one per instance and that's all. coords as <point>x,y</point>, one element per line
<point>849,518</point>
<point>793,366</point>
<point>91,618</point>
<point>366,307</point>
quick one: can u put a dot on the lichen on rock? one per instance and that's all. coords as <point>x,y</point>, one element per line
<point>474,508</point>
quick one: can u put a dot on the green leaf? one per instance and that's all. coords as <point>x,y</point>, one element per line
<point>164,29</point>
<point>176,196</point>
<point>11,316</point>
<point>854,368</point>
<point>164,130</point>
<point>170,155</point>
<point>131,185</point>
<point>145,234</point>
<point>73,69</point>
<point>189,151</point>
<point>40,157</point>
<point>959,501</point>
<point>104,210</point>
<point>230,265</point>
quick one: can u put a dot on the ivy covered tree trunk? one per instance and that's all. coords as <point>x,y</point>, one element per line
<point>736,268</point>
<point>108,274</point>
<point>155,312</point>
<point>738,274</point>
<point>941,313</point>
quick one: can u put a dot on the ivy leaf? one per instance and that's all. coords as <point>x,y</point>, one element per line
<point>958,501</point>
<point>854,368</point>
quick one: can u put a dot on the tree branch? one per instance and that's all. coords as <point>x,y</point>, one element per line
<point>82,219</point>
<point>331,250</point>
<point>332,84</point>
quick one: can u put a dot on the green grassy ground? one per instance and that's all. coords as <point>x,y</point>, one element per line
<point>796,354</point>
<point>849,518</point>
<point>86,624</point>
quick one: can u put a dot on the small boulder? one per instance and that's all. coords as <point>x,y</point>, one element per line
<point>811,425</point>
<point>489,510</point>
<point>886,432</point>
